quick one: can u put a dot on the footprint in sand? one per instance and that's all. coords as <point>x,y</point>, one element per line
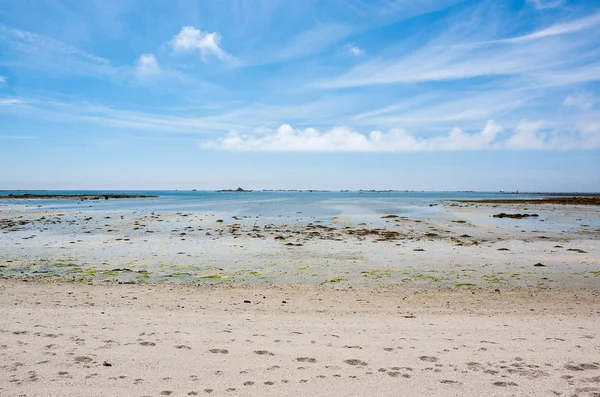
<point>504,384</point>
<point>395,374</point>
<point>581,367</point>
<point>354,361</point>
<point>429,359</point>
<point>222,351</point>
<point>306,359</point>
<point>263,353</point>
<point>450,382</point>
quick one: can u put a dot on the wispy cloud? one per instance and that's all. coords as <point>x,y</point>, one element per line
<point>453,58</point>
<point>544,4</point>
<point>10,101</point>
<point>311,41</point>
<point>29,50</point>
<point>17,137</point>
<point>558,29</point>
<point>445,109</point>
<point>105,116</point>
<point>354,49</point>
<point>527,135</point>
<point>190,39</point>
<point>581,101</point>
<point>2,79</point>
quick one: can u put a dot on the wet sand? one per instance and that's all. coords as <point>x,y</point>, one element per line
<point>456,246</point>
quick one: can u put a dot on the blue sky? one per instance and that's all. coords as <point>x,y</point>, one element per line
<point>391,94</point>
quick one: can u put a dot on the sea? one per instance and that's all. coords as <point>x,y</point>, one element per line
<point>264,204</point>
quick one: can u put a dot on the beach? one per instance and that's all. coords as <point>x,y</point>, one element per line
<point>126,340</point>
<point>446,300</point>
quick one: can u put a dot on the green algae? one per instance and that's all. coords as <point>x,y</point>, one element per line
<point>211,276</point>
<point>65,265</point>
<point>334,280</point>
<point>493,279</point>
<point>466,285</point>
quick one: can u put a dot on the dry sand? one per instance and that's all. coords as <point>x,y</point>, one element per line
<point>134,340</point>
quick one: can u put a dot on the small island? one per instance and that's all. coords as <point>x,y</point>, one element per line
<point>238,190</point>
<point>73,196</point>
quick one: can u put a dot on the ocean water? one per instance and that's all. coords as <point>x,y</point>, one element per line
<point>295,205</point>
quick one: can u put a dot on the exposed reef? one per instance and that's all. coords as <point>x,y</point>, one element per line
<point>74,196</point>
<point>591,199</point>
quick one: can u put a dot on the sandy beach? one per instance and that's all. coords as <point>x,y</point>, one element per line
<point>134,303</point>
<point>134,340</point>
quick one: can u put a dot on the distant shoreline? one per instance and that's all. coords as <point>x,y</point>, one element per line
<point>73,196</point>
<point>98,192</point>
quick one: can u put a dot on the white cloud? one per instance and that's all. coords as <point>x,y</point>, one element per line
<point>147,67</point>
<point>354,50</point>
<point>543,4</point>
<point>527,135</point>
<point>2,79</point>
<point>191,39</point>
<point>584,101</point>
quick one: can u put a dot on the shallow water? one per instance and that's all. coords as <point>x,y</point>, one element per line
<point>263,203</point>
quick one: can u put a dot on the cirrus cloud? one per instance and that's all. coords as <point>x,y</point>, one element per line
<point>543,4</point>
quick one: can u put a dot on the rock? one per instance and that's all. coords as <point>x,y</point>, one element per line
<point>514,216</point>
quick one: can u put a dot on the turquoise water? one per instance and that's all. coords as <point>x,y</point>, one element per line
<point>271,204</point>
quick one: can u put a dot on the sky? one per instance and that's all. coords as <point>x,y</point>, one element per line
<point>354,94</point>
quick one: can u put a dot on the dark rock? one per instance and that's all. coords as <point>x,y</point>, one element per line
<point>514,216</point>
